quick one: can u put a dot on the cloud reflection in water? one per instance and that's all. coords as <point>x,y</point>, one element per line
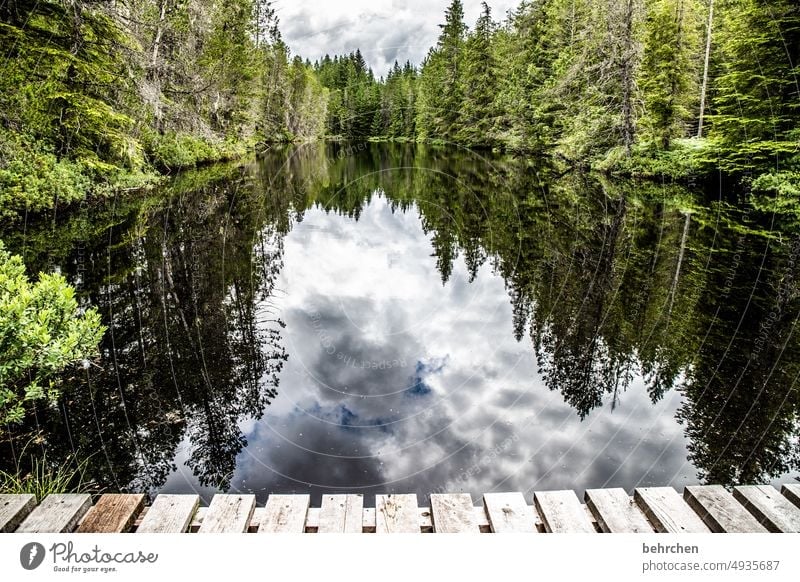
<point>396,382</point>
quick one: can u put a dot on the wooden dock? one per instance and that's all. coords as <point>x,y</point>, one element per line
<point>701,509</point>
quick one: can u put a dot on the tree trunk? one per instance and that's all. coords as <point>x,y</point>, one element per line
<point>676,277</point>
<point>159,32</point>
<point>628,129</point>
<point>705,69</point>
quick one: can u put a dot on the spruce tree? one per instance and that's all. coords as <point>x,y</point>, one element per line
<point>478,84</point>
<point>755,108</point>
<point>670,70</point>
<point>440,84</point>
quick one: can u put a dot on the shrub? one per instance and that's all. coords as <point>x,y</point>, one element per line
<point>32,178</point>
<point>174,150</point>
<point>42,333</point>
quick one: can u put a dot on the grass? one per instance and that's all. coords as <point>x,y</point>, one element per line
<point>45,478</point>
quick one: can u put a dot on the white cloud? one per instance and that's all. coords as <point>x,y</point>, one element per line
<point>384,30</point>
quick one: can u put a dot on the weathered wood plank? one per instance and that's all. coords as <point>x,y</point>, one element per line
<point>508,513</point>
<point>57,514</point>
<point>285,514</point>
<point>170,514</point>
<point>720,511</point>
<point>792,493</point>
<point>228,514</point>
<point>453,513</point>
<point>562,512</point>
<point>616,512</point>
<point>667,512</point>
<point>341,514</point>
<point>14,509</point>
<point>396,513</point>
<point>113,513</point>
<point>769,507</point>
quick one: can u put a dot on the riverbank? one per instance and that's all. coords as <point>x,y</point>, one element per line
<point>33,179</point>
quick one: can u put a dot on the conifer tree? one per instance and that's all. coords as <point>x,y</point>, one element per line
<point>670,70</point>
<point>440,79</point>
<point>755,109</point>
<point>478,84</point>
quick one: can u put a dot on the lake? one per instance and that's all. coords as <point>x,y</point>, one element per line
<point>398,318</point>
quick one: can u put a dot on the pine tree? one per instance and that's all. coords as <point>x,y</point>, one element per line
<point>670,69</point>
<point>478,84</point>
<point>525,58</point>
<point>755,109</point>
<point>228,61</point>
<point>440,82</point>
<point>594,76</point>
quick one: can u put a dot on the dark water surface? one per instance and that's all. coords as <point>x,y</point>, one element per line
<point>405,319</point>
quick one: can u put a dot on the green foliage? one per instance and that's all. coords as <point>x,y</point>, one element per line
<point>479,84</point>
<point>63,81</point>
<point>670,71</point>
<point>685,157</point>
<point>92,99</point>
<point>33,178</point>
<point>441,79</point>
<point>354,107</point>
<point>172,150</point>
<point>525,50</point>
<point>756,106</point>
<point>42,477</point>
<point>396,117</point>
<point>307,102</point>
<point>42,333</point>
<point>785,185</point>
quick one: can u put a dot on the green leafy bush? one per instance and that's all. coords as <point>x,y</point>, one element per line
<point>32,178</point>
<point>784,184</point>
<point>175,150</point>
<point>42,333</point>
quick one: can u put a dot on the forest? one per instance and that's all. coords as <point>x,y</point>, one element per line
<point>630,169</point>
<point>99,96</point>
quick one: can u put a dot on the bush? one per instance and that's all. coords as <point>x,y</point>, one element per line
<point>173,151</point>
<point>685,158</point>
<point>42,333</point>
<point>784,184</point>
<point>32,178</point>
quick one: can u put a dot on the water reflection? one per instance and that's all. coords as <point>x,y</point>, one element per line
<point>416,319</point>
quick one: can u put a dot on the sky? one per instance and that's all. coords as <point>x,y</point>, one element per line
<point>384,30</point>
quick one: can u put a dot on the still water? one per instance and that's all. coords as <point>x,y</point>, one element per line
<point>405,319</point>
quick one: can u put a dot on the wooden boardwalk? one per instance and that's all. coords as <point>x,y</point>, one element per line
<point>701,509</point>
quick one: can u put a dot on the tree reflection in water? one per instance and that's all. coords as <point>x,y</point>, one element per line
<point>612,281</point>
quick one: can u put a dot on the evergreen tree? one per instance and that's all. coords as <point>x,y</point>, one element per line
<point>478,84</point>
<point>527,48</point>
<point>755,107</point>
<point>670,70</point>
<point>95,91</point>
<point>228,63</point>
<point>594,76</point>
<point>440,79</point>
